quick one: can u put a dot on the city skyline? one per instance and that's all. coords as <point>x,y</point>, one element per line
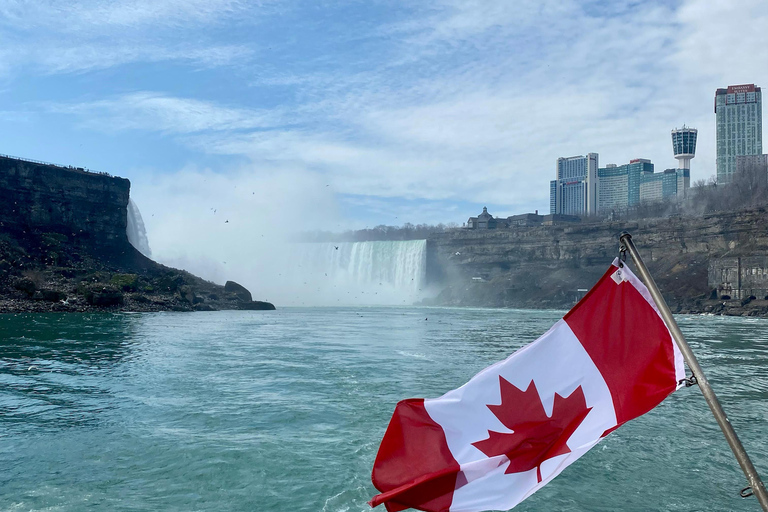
<point>352,115</point>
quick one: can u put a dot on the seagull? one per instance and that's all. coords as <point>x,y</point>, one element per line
<point>226,222</point>
<point>33,367</point>
<point>458,253</point>
<point>336,247</point>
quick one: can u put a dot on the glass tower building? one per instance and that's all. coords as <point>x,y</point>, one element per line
<point>575,188</point>
<point>620,185</point>
<point>670,184</point>
<point>739,121</point>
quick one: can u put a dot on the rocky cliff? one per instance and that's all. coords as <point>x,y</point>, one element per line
<point>63,247</point>
<point>90,209</point>
<point>549,266</point>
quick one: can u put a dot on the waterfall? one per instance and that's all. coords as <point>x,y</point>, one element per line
<point>137,235</point>
<point>361,272</point>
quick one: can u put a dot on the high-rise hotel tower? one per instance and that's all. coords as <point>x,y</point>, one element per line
<point>739,118</point>
<point>574,189</point>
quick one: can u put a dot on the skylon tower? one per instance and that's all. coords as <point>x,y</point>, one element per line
<point>684,146</point>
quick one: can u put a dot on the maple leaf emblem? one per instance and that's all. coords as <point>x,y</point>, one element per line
<point>536,437</point>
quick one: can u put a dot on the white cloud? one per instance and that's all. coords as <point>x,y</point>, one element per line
<point>472,100</point>
<point>157,112</point>
<point>52,37</point>
<point>103,15</point>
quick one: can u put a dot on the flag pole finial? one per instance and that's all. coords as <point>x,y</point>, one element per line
<point>755,483</point>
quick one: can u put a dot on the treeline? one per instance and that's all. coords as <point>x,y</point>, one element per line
<point>407,231</point>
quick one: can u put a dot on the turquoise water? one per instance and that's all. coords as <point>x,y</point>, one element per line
<point>283,411</point>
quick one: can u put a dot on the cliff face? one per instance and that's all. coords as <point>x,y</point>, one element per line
<point>63,247</point>
<point>89,209</point>
<point>547,266</point>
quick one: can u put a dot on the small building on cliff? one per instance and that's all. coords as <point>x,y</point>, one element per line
<point>483,221</point>
<point>739,277</point>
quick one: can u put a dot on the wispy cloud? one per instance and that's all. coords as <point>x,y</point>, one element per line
<point>53,37</point>
<point>444,102</point>
<point>150,111</point>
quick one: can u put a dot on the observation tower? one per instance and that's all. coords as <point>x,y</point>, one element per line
<point>684,146</point>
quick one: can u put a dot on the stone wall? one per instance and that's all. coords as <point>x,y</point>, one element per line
<point>739,277</point>
<point>546,265</point>
<point>89,209</point>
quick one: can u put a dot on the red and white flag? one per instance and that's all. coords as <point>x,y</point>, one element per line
<point>516,425</point>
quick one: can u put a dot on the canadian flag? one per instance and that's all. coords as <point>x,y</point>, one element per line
<point>516,425</point>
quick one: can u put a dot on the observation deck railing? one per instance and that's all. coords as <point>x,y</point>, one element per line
<point>67,167</point>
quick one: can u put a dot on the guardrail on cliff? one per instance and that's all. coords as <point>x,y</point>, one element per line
<point>67,167</point>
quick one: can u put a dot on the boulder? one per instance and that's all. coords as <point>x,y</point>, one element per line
<point>125,282</point>
<point>98,295</point>
<point>187,294</point>
<point>168,283</point>
<point>241,291</point>
<point>257,305</point>
<point>25,285</point>
<point>52,295</point>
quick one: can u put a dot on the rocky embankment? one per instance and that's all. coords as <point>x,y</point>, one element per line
<point>63,247</point>
<point>551,266</point>
<point>54,276</point>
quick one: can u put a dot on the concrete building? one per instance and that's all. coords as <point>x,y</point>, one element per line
<point>739,278</point>
<point>739,121</point>
<point>524,219</point>
<point>574,190</point>
<point>746,162</point>
<point>483,221</point>
<point>553,197</point>
<point>684,145</point>
<point>672,184</point>
<point>619,186</point>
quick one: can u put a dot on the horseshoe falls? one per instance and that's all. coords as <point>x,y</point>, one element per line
<point>137,235</point>
<point>391,272</point>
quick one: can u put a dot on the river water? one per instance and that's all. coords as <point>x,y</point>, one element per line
<point>283,411</point>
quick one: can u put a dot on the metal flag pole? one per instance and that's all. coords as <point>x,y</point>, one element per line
<point>750,472</point>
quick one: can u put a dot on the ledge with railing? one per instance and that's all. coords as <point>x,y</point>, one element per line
<point>67,167</point>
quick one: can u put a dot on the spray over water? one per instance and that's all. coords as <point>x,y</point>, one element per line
<point>137,235</point>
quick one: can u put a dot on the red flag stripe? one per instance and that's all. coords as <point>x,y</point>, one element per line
<point>628,342</point>
<point>414,466</point>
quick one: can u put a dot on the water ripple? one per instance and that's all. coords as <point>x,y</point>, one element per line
<point>284,411</point>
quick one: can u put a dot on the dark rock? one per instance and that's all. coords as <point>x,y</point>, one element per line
<point>125,282</point>
<point>187,294</point>
<point>52,295</point>
<point>25,285</point>
<point>241,291</point>
<point>203,307</point>
<point>61,204</point>
<point>98,295</point>
<point>257,305</point>
<point>168,283</point>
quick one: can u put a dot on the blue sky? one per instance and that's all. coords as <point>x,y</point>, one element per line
<point>286,114</point>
